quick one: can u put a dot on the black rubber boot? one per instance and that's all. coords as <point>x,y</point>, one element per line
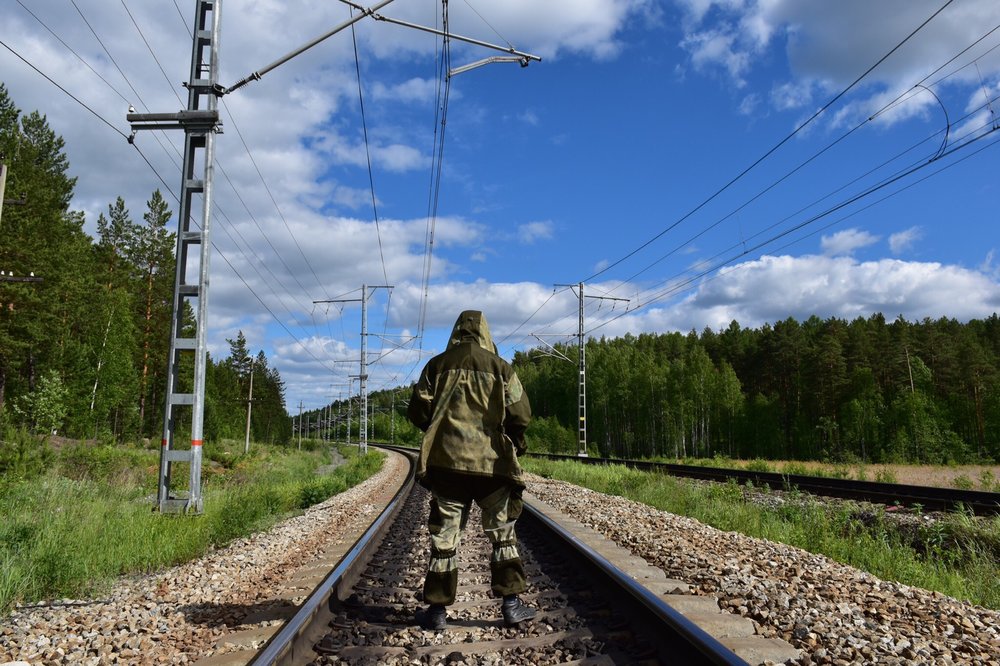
<point>515,611</point>
<point>434,617</point>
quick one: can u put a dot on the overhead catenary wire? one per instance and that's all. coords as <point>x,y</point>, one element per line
<point>162,180</point>
<point>67,93</point>
<point>770,151</point>
<point>806,162</point>
<point>904,170</point>
<point>681,284</point>
<point>231,184</point>
<point>441,110</point>
<point>260,175</point>
<point>371,176</point>
<point>773,149</point>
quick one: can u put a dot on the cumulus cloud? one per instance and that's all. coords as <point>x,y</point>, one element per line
<point>749,104</point>
<point>717,47</point>
<point>847,241</point>
<point>773,288</point>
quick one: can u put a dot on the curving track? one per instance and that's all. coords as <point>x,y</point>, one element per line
<point>591,608</point>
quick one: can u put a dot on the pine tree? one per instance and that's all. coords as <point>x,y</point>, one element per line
<point>153,261</point>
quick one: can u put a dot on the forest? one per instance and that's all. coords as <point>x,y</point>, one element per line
<point>84,326</point>
<point>867,390</point>
<point>84,322</point>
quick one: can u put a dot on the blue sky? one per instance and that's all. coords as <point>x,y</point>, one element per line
<point>616,160</point>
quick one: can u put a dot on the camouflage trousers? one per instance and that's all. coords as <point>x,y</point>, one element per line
<point>448,517</point>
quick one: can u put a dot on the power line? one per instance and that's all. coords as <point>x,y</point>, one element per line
<point>441,112</point>
<point>168,189</point>
<point>797,168</point>
<point>150,49</point>
<point>70,49</point>
<point>905,170</point>
<point>677,287</point>
<point>68,93</point>
<point>769,152</point>
<point>371,177</point>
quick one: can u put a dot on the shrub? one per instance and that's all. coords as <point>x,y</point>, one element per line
<point>22,455</point>
<point>885,475</point>
<point>105,463</point>
<point>547,435</point>
<point>962,482</point>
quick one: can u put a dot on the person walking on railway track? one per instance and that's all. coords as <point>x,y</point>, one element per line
<point>473,411</point>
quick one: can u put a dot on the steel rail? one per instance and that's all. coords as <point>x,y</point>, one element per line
<point>704,648</point>
<point>673,635</point>
<point>293,643</point>
<point>928,498</point>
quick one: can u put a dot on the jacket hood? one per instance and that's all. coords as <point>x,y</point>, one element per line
<point>471,326</point>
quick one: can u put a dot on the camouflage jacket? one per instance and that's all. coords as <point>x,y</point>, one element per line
<point>471,406</point>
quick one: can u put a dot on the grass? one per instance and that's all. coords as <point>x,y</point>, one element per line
<point>72,529</point>
<point>957,556</point>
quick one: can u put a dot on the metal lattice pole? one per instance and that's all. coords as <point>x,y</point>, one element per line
<point>362,377</point>
<point>581,364</point>
<point>188,349</point>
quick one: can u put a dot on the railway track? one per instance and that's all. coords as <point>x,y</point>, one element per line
<point>929,498</point>
<point>597,604</point>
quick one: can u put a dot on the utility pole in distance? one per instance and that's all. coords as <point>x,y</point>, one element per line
<point>300,425</point>
<point>582,365</point>
<point>3,186</point>
<point>246,443</point>
<point>363,375</point>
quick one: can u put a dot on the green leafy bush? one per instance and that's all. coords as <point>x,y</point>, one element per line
<point>22,455</point>
<point>885,475</point>
<point>962,482</point>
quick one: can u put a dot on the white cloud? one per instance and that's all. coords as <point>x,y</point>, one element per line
<point>534,231</point>
<point>987,265</point>
<point>904,240</point>
<point>828,44</point>
<point>774,288</point>
<point>749,104</point>
<point>411,90</point>
<point>716,47</point>
<point>791,95</point>
<point>846,241</point>
<point>529,118</point>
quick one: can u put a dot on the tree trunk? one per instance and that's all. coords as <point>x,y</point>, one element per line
<point>145,351</point>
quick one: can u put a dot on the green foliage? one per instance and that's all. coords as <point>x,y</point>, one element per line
<point>796,469</point>
<point>108,464</point>
<point>100,319</point>
<point>962,482</point>
<point>44,409</point>
<point>22,455</point>
<point>547,435</point>
<point>885,475</point>
<point>70,535</point>
<point>758,465</point>
<point>861,392</point>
